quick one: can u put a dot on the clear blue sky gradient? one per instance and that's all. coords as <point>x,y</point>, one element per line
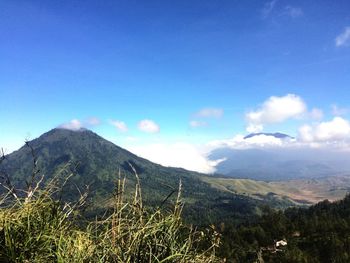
<point>164,60</point>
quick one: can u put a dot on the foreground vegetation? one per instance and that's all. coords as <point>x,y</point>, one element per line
<point>36,226</point>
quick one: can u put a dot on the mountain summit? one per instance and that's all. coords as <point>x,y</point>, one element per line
<point>276,135</point>
<point>94,161</point>
<point>97,162</point>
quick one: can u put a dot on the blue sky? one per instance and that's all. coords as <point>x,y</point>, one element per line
<point>177,64</point>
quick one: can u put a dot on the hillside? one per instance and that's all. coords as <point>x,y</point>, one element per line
<point>317,234</point>
<point>300,191</point>
<point>96,162</point>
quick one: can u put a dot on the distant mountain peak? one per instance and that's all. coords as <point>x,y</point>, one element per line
<point>276,135</point>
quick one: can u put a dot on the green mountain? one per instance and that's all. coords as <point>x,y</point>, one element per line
<point>96,162</point>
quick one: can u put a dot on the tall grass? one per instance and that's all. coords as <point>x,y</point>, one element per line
<point>38,228</point>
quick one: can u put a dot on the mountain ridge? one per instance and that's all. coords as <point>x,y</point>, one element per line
<point>275,134</point>
<point>97,162</point>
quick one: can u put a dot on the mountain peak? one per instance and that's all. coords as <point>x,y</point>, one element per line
<point>60,133</point>
<point>97,163</point>
<point>276,135</point>
<point>82,129</point>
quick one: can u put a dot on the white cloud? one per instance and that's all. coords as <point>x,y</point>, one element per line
<point>73,125</point>
<point>264,140</point>
<point>178,154</point>
<point>334,134</point>
<point>252,128</point>
<point>120,125</point>
<point>344,38</point>
<point>76,124</point>
<point>335,130</point>
<point>275,110</point>
<point>148,126</point>
<point>293,12</point>
<point>194,157</point>
<point>196,124</point>
<point>210,113</point>
<point>305,133</point>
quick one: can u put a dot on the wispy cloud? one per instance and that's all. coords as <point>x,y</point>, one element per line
<point>205,113</point>
<point>92,121</point>
<point>76,124</point>
<point>148,126</point>
<point>73,125</point>
<point>293,12</point>
<point>196,124</point>
<point>316,114</point>
<point>239,142</point>
<point>275,110</point>
<point>339,111</point>
<point>119,125</point>
<point>210,113</point>
<point>271,9</point>
<point>343,39</point>
<point>268,8</point>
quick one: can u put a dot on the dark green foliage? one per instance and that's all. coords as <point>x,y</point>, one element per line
<point>320,233</point>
